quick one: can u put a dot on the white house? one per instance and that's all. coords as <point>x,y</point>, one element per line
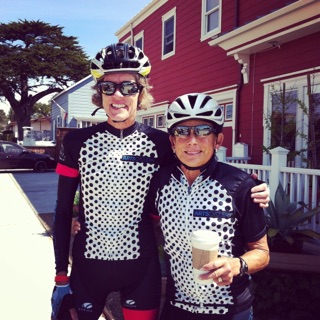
<point>72,108</point>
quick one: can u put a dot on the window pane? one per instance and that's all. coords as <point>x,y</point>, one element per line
<point>168,36</point>
<point>169,26</point>
<point>211,4</point>
<point>139,43</point>
<point>314,132</point>
<point>213,21</point>
<point>283,120</point>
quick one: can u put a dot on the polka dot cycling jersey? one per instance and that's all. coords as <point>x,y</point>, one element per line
<point>115,168</point>
<point>219,200</point>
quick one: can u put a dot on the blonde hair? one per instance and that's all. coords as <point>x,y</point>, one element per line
<point>145,97</point>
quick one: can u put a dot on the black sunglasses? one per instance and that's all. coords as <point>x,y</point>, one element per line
<point>127,88</point>
<point>201,130</point>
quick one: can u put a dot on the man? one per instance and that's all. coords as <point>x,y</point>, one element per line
<point>200,193</point>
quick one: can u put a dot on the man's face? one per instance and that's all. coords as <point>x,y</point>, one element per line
<point>193,150</point>
<point>121,109</point>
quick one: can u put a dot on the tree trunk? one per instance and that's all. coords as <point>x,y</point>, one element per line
<point>23,118</point>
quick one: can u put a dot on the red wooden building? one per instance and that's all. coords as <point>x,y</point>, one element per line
<point>245,53</point>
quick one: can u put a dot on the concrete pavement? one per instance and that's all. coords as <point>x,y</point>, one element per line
<point>26,257</point>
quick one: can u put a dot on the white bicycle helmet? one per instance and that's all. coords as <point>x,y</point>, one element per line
<point>195,106</point>
<point>120,57</point>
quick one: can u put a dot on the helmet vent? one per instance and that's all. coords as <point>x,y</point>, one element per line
<point>120,53</point>
<point>192,100</point>
<point>205,114</point>
<point>179,101</point>
<point>204,102</point>
<point>179,115</point>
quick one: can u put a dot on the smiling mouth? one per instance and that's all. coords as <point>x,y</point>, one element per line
<point>191,153</point>
<point>118,106</point>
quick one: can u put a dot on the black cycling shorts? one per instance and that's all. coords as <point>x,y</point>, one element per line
<point>138,281</point>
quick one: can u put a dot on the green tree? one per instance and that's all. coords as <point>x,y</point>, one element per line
<point>41,110</point>
<point>36,60</point>
<point>3,120</point>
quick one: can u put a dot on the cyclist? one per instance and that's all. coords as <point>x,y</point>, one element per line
<point>201,193</point>
<point>113,162</point>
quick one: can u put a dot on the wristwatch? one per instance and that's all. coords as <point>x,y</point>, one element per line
<point>243,267</point>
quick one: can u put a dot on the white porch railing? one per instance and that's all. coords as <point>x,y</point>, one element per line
<point>301,184</point>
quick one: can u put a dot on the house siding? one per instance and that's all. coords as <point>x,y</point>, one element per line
<point>80,104</point>
<point>251,10</point>
<point>193,58</point>
<point>197,66</point>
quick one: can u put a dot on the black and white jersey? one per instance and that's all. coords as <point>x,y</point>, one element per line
<point>114,168</point>
<point>218,200</point>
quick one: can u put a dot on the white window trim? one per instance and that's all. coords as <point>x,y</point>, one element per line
<point>227,95</point>
<point>167,16</point>
<point>138,36</point>
<point>204,34</point>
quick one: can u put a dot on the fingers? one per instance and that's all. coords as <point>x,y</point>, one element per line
<point>260,194</point>
<point>264,205</point>
<point>220,271</point>
<point>261,188</point>
<point>75,227</point>
<point>254,176</point>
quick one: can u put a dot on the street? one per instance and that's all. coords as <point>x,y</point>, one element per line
<point>40,189</point>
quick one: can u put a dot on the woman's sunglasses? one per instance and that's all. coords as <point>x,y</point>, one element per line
<point>127,88</point>
<point>201,130</point>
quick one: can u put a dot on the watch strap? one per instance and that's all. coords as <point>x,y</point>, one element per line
<point>243,267</point>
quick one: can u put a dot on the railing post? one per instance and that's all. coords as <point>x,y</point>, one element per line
<point>222,154</point>
<point>278,160</point>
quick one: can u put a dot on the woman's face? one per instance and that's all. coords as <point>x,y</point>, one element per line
<point>120,109</point>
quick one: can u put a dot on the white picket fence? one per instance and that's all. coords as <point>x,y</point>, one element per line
<point>301,184</point>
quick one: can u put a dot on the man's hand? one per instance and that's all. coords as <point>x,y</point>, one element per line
<point>220,271</point>
<point>260,193</point>
<point>75,226</point>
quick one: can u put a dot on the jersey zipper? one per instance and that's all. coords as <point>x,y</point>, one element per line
<point>121,134</point>
<point>189,192</point>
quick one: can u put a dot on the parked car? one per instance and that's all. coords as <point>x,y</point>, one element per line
<point>14,156</point>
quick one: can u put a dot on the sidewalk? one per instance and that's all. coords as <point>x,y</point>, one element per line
<point>26,257</point>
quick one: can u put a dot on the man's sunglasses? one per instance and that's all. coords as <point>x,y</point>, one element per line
<point>201,130</point>
<point>127,88</point>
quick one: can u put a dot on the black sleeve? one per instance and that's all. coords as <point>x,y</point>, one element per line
<point>252,221</point>
<point>67,188</point>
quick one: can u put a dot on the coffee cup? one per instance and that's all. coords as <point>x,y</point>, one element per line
<point>205,247</point>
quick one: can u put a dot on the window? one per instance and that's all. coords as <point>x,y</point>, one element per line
<point>160,121</point>
<point>292,119</point>
<point>138,40</point>
<point>59,122</point>
<point>211,18</point>
<point>149,121</point>
<point>228,111</point>
<point>169,34</point>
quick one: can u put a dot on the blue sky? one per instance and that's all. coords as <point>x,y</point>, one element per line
<point>93,22</point>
